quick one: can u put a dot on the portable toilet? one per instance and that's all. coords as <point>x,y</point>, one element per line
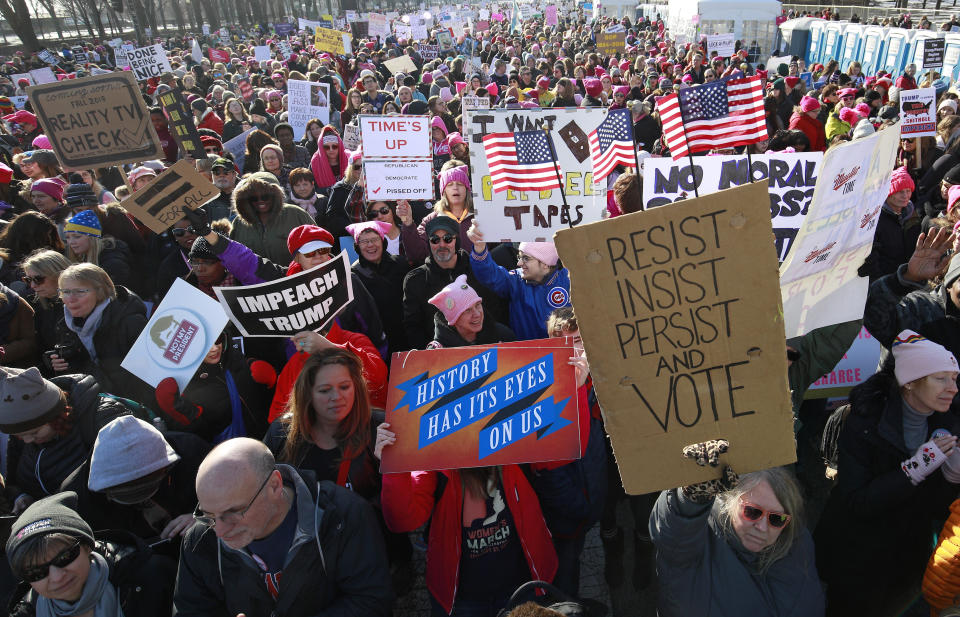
<point>850,48</point>
<point>895,51</point>
<point>951,56</point>
<point>795,35</point>
<point>917,37</point>
<point>816,41</point>
<point>871,48</point>
<point>833,38</point>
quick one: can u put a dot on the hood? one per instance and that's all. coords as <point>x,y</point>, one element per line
<point>252,185</point>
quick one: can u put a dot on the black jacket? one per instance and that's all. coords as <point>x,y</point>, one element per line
<point>337,566</point>
<point>143,579</point>
<point>340,209</point>
<point>45,320</point>
<point>491,333</point>
<point>173,267</point>
<point>422,283</point>
<point>384,281</point>
<point>893,244</point>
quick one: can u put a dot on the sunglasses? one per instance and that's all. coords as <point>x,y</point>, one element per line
<point>260,198</point>
<point>446,239</point>
<point>30,280</point>
<point>179,233</point>
<point>317,253</point>
<point>331,147</point>
<point>753,512</point>
<point>63,559</point>
<point>372,214</point>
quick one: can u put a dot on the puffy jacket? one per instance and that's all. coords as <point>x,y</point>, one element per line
<point>704,570</point>
<point>116,260</point>
<point>267,239</point>
<point>812,128</point>
<point>411,499</point>
<point>336,565</point>
<point>835,126</point>
<point>212,121</point>
<point>344,206</point>
<point>17,335</point>
<point>530,304</point>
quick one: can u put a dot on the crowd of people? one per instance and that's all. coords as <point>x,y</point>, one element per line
<point>256,489</point>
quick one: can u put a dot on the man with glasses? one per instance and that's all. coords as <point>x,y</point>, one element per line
<point>272,540</point>
<point>372,93</point>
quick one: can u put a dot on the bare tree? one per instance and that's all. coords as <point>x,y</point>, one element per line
<point>18,16</point>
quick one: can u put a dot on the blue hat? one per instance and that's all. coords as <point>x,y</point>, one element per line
<point>85,222</point>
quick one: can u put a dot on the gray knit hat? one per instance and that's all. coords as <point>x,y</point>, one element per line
<point>127,449</point>
<point>27,400</point>
<point>53,514</point>
<point>79,195</point>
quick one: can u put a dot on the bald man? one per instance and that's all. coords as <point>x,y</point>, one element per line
<point>272,540</point>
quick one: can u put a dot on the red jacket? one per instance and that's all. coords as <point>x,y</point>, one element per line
<point>408,502</point>
<point>211,121</point>
<point>374,369</point>
<point>812,128</point>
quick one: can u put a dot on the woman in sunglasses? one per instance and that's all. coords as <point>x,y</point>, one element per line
<point>66,571</point>
<point>898,472</point>
<point>41,270</point>
<point>734,546</point>
<point>329,162</point>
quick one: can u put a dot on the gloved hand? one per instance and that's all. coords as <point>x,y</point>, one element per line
<point>708,453</point>
<point>198,221</point>
<point>924,462</point>
<point>167,392</point>
<point>263,373</point>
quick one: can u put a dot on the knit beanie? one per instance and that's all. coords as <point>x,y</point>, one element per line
<point>454,174</point>
<point>49,186</point>
<point>863,109</point>
<point>201,249</point>
<point>355,229</point>
<point>899,180</point>
<point>42,142</point>
<point>543,251</point>
<point>308,238</point>
<point>953,175</point>
<point>454,138</point>
<point>53,514</point>
<point>917,357</point>
<point>455,298</point>
<point>79,195</point>
<point>85,222</point>
<point>809,103</point>
<point>445,95</point>
<point>791,81</point>
<point>127,449</point>
<point>864,128</point>
<point>948,103</point>
<point>849,115</point>
<point>6,106</point>
<point>953,195</point>
<point>783,70</point>
<point>592,86</point>
<point>27,400</point>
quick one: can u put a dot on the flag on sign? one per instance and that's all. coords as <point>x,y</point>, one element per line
<point>721,114</point>
<point>515,17</point>
<point>522,161</point>
<point>611,143</point>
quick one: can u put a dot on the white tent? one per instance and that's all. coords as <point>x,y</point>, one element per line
<point>748,20</point>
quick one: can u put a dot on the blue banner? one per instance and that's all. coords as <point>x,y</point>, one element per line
<point>543,417</point>
<point>423,389</point>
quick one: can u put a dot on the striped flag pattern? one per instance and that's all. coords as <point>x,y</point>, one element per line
<point>611,143</point>
<point>721,114</point>
<point>521,161</point>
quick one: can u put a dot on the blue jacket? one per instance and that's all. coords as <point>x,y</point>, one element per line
<point>530,305</point>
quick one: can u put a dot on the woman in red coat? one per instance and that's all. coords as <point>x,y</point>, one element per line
<point>804,118</point>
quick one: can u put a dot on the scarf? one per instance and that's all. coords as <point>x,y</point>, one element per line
<point>98,594</point>
<point>228,281</point>
<point>88,327</point>
<point>306,204</point>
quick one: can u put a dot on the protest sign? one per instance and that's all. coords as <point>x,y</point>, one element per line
<point>398,179</point>
<point>285,29</point>
<point>475,102</point>
<point>178,336</point>
<point>819,278</point>
<point>478,406</point>
<point>205,28</point>
<point>445,39</point>
<point>245,88</point>
<point>859,363</point>
<point>351,137</point>
<point>791,178</point>
<point>482,25</point>
<point>550,15</point>
<point>218,55</point>
<point>918,115</point>
<point>395,136</point>
<point>687,344</point>
<point>261,52</point>
<point>359,29</point>
<point>403,32</point>
<point>329,40</point>
<point>933,51</point>
<point>528,216</point>
<point>308,25</point>
<point>307,100</point>
<point>611,43</point>
<point>723,44</point>
<point>79,55</point>
<point>19,101</point>
<point>400,64</point>
<point>428,52</point>
<point>48,56</point>
<point>305,301</point>
<point>147,62</point>
<point>16,77</point>
<point>807,78</point>
<point>238,147</point>
<point>420,32</point>
<point>377,25</point>
<point>43,76</point>
<point>159,204</point>
<point>96,121</point>
<point>285,49</point>
<point>182,126</point>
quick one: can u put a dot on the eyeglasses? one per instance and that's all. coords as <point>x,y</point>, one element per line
<point>275,100</point>
<point>372,214</point>
<point>619,96</point>
<point>318,252</point>
<point>446,239</point>
<point>202,263</point>
<point>753,512</point>
<point>260,198</point>
<point>229,517</point>
<point>30,280</point>
<point>369,241</point>
<point>63,559</point>
<point>180,232</point>
<point>66,293</point>
<point>331,147</point>
<point>525,259</point>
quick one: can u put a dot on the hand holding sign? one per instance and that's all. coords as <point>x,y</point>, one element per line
<point>476,236</point>
<point>311,342</point>
<point>385,437</point>
<point>403,211</point>
<point>930,258</point>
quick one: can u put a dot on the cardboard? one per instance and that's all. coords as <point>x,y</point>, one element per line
<point>401,64</point>
<point>477,406</point>
<point>679,314</point>
<point>158,205</point>
<point>305,301</point>
<point>182,126</point>
<point>378,25</point>
<point>351,137</point>
<point>96,121</point>
<point>819,278</point>
<point>395,136</point>
<point>611,43</point>
<point>475,102</point>
<point>918,112</point>
<point>398,179</point>
<point>178,336</point>
<point>550,15</point>
<point>307,100</point>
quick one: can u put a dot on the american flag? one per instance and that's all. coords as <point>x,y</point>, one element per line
<point>721,114</point>
<point>521,161</point>
<point>611,143</point>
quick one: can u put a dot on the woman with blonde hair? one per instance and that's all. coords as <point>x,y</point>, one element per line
<point>455,201</point>
<point>41,269</point>
<point>85,243</point>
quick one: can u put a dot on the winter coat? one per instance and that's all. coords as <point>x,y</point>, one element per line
<point>893,242</point>
<point>422,283</point>
<point>144,580</point>
<point>116,260</point>
<point>820,350</point>
<point>17,335</point>
<point>38,469</point>
<point>336,566</point>
<point>174,266</point>
<point>704,570</point>
<point>874,499</point>
<point>491,333</point>
<point>895,304</point>
<point>267,239</point>
<point>416,245</point>
<point>835,126</point>
<point>120,325</point>
<point>345,205</point>
<point>812,128</point>
<point>411,500</point>
<point>45,320</point>
<point>232,128</point>
<point>384,281</point>
<point>530,303</point>
<point>210,120</point>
